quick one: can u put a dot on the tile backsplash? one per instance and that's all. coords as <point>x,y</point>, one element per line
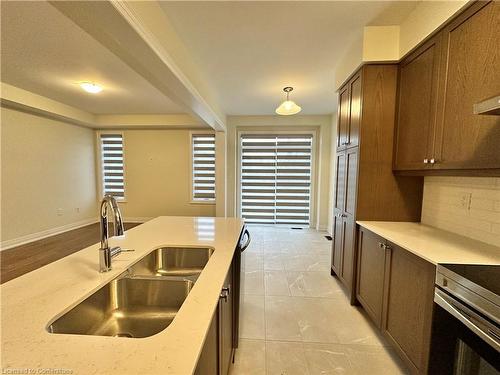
<point>469,206</point>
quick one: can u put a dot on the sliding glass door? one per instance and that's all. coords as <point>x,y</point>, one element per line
<point>275,178</point>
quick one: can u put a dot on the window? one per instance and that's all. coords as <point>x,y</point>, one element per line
<point>203,168</point>
<point>275,173</point>
<point>112,176</point>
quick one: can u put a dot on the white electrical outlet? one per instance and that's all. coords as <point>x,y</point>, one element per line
<point>77,209</point>
<point>59,212</point>
<point>465,201</point>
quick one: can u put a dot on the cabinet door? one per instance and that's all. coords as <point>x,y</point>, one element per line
<point>349,213</point>
<point>370,274</point>
<point>338,242</point>
<point>226,325</point>
<point>354,111</point>
<point>418,87</point>
<point>348,251</point>
<point>470,74</point>
<point>208,363</point>
<point>339,204</point>
<point>343,117</point>
<point>408,306</point>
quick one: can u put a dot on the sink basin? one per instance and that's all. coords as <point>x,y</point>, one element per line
<point>173,261</point>
<point>126,307</point>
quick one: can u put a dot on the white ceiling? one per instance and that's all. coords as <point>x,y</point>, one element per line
<point>249,51</point>
<point>46,53</point>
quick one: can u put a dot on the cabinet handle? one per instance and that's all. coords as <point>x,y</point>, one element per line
<point>344,215</point>
<point>384,246</point>
<point>432,161</point>
<point>224,294</point>
<point>426,161</point>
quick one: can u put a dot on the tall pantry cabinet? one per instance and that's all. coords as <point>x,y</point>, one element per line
<point>366,188</point>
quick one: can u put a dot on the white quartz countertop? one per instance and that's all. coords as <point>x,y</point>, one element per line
<point>32,301</point>
<point>434,245</point>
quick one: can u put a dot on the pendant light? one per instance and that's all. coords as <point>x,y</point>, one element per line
<point>288,107</point>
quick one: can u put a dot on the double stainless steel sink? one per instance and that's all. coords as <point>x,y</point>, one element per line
<point>140,302</point>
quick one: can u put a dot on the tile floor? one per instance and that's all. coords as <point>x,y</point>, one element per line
<point>295,318</point>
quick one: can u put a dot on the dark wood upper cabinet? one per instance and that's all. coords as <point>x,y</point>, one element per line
<point>343,117</point>
<point>417,106</point>
<point>349,113</point>
<point>471,74</point>
<point>355,111</point>
<point>439,82</point>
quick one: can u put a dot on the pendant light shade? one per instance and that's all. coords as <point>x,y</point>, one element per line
<point>288,107</point>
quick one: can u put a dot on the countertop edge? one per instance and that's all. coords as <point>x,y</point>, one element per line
<point>436,243</point>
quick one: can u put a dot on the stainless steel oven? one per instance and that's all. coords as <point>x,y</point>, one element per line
<point>466,320</point>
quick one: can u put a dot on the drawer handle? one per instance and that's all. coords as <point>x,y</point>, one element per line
<point>426,161</point>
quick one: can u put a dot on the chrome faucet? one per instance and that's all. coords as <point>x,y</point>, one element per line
<point>106,253</point>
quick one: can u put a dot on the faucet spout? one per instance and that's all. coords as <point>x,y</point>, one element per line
<point>105,253</point>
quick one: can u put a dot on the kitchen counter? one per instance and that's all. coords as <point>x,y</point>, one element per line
<point>434,245</point>
<point>31,301</point>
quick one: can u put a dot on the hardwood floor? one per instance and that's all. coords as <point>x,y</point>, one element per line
<point>25,258</point>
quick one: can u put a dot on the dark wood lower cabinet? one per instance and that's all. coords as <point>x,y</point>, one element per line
<point>222,337</point>
<point>226,324</point>
<point>396,288</point>
<point>371,274</point>
<point>408,306</point>
<point>208,363</point>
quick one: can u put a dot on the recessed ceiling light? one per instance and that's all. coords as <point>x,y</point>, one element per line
<point>91,87</point>
<point>288,107</point>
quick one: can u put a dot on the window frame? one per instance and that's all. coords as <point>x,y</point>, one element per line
<point>315,167</point>
<point>100,182</point>
<point>192,200</point>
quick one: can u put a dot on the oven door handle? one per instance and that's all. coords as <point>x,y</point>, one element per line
<point>456,309</point>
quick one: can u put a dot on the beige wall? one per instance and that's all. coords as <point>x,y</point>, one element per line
<point>468,206</point>
<point>381,43</point>
<point>423,20</point>
<point>158,175</point>
<point>47,166</point>
<point>389,43</point>
<point>322,124</point>
<point>333,153</point>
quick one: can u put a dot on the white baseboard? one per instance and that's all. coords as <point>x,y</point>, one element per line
<point>136,219</point>
<point>4,245</point>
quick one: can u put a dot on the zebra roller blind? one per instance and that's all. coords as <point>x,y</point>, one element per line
<point>203,146</point>
<point>276,178</point>
<point>112,165</point>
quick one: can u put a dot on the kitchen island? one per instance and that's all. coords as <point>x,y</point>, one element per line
<point>31,302</point>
